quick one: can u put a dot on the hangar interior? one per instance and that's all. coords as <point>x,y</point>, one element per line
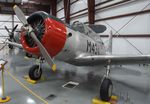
<point>127,19</point>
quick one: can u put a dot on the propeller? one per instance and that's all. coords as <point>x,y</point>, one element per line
<point>11,33</point>
<point>43,51</point>
<point>20,15</point>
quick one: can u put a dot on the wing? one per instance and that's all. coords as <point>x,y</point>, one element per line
<point>14,44</point>
<point>114,59</point>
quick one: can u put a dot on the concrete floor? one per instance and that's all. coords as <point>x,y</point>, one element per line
<point>131,83</point>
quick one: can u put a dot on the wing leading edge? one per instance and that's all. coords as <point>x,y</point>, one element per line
<point>114,59</point>
<point>14,44</point>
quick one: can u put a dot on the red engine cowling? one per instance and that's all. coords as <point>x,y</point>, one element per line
<point>49,30</point>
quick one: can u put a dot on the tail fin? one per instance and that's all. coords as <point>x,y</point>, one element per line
<point>109,47</point>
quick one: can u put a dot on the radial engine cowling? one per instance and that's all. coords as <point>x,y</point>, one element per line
<point>50,31</point>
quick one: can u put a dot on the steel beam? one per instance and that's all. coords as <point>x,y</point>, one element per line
<point>67,11</point>
<point>53,6</point>
<point>70,5</point>
<point>13,21</point>
<point>128,36</point>
<point>101,3</point>
<point>91,11</point>
<point>26,7</point>
<point>101,8</point>
<point>124,15</point>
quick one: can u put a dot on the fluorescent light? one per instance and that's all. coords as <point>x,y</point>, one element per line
<point>24,1</point>
<point>30,101</point>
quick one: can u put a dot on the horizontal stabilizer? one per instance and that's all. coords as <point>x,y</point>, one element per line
<point>98,28</point>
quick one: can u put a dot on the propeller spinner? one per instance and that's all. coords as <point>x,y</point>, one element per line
<point>30,30</point>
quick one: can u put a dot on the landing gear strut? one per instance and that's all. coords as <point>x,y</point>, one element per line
<point>106,86</point>
<point>28,55</point>
<point>35,71</point>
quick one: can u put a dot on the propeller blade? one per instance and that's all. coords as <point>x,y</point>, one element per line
<point>14,28</point>
<point>44,52</point>
<point>7,29</point>
<point>20,15</point>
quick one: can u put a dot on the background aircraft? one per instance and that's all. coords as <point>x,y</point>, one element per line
<point>12,36</point>
<point>13,39</point>
<point>48,37</point>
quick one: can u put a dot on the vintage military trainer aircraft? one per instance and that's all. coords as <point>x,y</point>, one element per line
<point>48,37</point>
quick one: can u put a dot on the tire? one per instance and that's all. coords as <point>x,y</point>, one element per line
<point>10,46</point>
<point>106,89</point>
<point>33,72</point>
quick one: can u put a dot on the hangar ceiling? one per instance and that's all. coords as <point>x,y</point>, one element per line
<point>28,6</point>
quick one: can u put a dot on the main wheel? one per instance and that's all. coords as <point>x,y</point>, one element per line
<point>106,89</point>
<point>35,73</point>
<point>10,46</point>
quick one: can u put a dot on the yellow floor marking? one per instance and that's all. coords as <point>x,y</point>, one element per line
<point>25,87</point>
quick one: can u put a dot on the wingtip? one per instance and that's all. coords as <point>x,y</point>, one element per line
<point>54,67</point>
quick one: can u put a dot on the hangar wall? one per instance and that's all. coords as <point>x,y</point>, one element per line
<point>5,20</point>
<point>138,25</point>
